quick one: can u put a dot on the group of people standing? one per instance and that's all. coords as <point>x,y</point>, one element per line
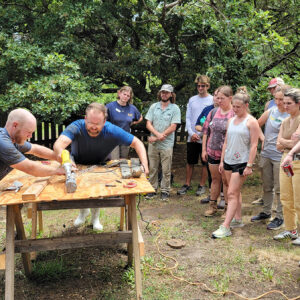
<point>221,133</point>
<point>224,136</point>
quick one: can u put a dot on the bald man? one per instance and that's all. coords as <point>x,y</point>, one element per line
<point>19,127</point>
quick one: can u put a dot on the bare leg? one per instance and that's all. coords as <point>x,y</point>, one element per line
<point>189,174</point>
<point>204,175</point>
<point>234,192</point>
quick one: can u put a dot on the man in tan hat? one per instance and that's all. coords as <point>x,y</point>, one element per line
<point>162,119</point>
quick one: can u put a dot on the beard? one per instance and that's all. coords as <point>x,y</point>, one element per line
<point>93,133</point>
<point>166,100</point>
<point>18,139</point>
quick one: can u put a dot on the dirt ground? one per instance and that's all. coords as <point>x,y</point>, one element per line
<point>250,263</point>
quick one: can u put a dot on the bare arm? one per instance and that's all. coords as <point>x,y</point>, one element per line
<point>61,143</point>
<point>35,168</point>
<point>42,152</point>
<point>204,151</point>
<point>266,105</point>
<point>138,121</point>
<point>263,118</point>
<point>170,129</point>
<point>198,127</point>
<point>141,152</point>
<point>150,127</point>
<point>289,157</point>
<point>254,135</point>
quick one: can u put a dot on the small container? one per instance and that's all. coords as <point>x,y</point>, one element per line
<point>288,170</point>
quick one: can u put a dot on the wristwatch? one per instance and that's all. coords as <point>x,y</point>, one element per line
<point>249,165</point>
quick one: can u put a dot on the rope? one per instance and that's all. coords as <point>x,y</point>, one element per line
<point>162,267</point>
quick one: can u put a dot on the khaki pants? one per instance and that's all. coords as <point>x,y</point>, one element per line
<point>290,196</point>
<point>165,158</point>
<point>270,177</point>
<point>120,152</point>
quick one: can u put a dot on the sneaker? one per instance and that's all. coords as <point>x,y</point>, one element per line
<point>201,190</point>
<point>260,217</point>
<point>150,196</point>
<point>296,242</point>
<point>275,224</point>
<point>259,201</point>
<point>205,200</point>
<point>221,204</point>
<point>183,190</point>
<point>164,196</point>
<point>236,223</point>
<point>286,235</point>
<point>221,232</point>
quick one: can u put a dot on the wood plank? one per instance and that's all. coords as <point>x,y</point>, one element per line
<point>40,217</point>
<point>90,203</point>
<point>141,243</point>
<point>136,250</point>
<point>35,189</point>
<point>10,254</point>
<point>2,261</point>
<point>72,242</point>
<point>21,236</point>
<point>33,255</point>
<point>129,227</point>
<point>122,218</point>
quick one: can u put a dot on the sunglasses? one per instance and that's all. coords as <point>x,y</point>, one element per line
<point>201,85</point>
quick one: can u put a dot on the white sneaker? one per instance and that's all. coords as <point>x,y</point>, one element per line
<point>81,218</point>
<point>95,219</point>
<point>222,232</point>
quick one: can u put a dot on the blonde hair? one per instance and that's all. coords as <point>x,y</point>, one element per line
<point>226,90</point>
<point>202,79</point>
<point>242,95</point>
<point>127,88</point>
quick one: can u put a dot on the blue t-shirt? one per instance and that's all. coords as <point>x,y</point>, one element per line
<point>122,116</point>
<point>10,153</point>
<point>202,117</point>
<point>89,150</point>
<point>271,104</point>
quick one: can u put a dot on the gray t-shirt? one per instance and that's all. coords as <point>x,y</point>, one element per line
<point>271,133</point>
<point>10,153</point>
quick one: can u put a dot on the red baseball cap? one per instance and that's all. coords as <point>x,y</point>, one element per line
<point>274,82</point>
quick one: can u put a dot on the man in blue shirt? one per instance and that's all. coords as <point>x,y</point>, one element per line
<point>92,139</point>
<point>19,127</point>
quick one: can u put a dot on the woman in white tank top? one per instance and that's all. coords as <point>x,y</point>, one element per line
<point>238,155</point>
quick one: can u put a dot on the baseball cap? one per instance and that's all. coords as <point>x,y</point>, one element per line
<point>167,88</point>
<point>274,82</point>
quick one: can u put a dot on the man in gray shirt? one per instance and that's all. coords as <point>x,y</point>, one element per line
<point>19,127</point>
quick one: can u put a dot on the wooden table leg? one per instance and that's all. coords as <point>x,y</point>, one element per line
<point>40,215</point>
<point>10,254</point>
<point>33,227</point>
<point>122,217</point>
<point>136,250</point>
<point>129,227</point>
<point>21,236</point>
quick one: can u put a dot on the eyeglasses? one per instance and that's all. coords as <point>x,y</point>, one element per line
<point>202,85</point>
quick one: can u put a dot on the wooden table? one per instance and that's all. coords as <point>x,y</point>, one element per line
<point>92,191</point>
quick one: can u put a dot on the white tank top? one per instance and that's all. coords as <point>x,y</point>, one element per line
<point>238,143</point>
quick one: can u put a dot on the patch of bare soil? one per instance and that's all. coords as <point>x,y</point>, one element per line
<point>249,263</point>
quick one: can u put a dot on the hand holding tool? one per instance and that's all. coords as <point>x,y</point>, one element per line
<point>71,185</point>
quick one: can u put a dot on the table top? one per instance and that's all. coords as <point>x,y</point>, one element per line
<point>91,184</point>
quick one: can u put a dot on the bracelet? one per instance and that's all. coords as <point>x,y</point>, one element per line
<point>249,165</point>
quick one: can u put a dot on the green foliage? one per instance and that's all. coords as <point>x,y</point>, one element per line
<point>56,56</point>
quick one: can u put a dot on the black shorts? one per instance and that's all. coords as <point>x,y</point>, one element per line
<point>212,161</point>
<point>235,168</point>
<point>193,151</point>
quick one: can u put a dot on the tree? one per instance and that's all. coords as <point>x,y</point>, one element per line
<point>144,43</point>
